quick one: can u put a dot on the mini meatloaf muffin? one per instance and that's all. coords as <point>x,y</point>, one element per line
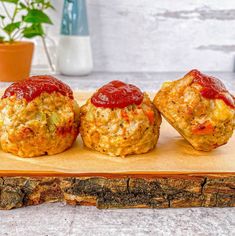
<point>38,116</point>
<point>119,120</point>
<point>200,108</point>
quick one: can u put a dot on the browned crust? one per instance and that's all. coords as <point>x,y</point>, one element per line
<point>137,191</point>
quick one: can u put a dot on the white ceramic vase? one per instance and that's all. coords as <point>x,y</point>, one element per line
<point>74,54</point>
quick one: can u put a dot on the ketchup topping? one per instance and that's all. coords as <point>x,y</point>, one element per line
<point>213,88</point>
<point>32,87</point>
<point>117,94</point>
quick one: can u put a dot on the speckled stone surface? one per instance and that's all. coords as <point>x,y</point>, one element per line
<point>147,81</point>
<point>59,219</point>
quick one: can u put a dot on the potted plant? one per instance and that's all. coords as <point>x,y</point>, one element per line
<point>20,19</point>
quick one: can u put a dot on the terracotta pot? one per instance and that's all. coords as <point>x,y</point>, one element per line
<point>15,60</point>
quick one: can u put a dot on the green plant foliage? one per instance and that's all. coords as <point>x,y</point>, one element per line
<point>33,30</point>
<point>11,1</point>
<point>11,27</point>
<point>37,16</point>
<point>32,13</point>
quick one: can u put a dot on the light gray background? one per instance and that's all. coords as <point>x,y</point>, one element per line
<point>159,35</point>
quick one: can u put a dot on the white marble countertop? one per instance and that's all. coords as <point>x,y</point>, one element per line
<point>148,81</point>
<point>59,219</point>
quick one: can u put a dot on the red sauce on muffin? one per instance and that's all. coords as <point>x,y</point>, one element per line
<point>213,88</point>
<point>117,94</point>
<point>34,86</point>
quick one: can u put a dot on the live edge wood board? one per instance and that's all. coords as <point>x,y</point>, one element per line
<point>172,175</point>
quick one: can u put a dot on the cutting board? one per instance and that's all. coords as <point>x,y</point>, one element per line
<point>172,175</point>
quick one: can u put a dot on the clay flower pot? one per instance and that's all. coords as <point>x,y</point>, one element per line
<point>15,60</point>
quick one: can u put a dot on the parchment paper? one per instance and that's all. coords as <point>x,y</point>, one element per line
<point>173,155</point>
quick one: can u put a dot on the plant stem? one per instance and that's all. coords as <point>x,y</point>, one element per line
<point>14,36</point>
<point>47,54</point>
<point>14,14</point>
<point>2,24</point>
<point>7,12</point>
<point>9,16</point>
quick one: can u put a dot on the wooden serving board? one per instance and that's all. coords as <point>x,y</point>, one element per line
<point>172,175</point>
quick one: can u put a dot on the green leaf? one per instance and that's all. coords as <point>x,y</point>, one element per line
<point>49,5</point>
<point>40,1</point>
<point>1,39</point>
<point>2,17</point>
<point>10,1</point>
<point>33,30</point>
<point>11,27</point>
<point>37,16</point>
<point>23,6</point>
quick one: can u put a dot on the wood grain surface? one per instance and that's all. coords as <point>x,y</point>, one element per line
<point>169,191</point>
